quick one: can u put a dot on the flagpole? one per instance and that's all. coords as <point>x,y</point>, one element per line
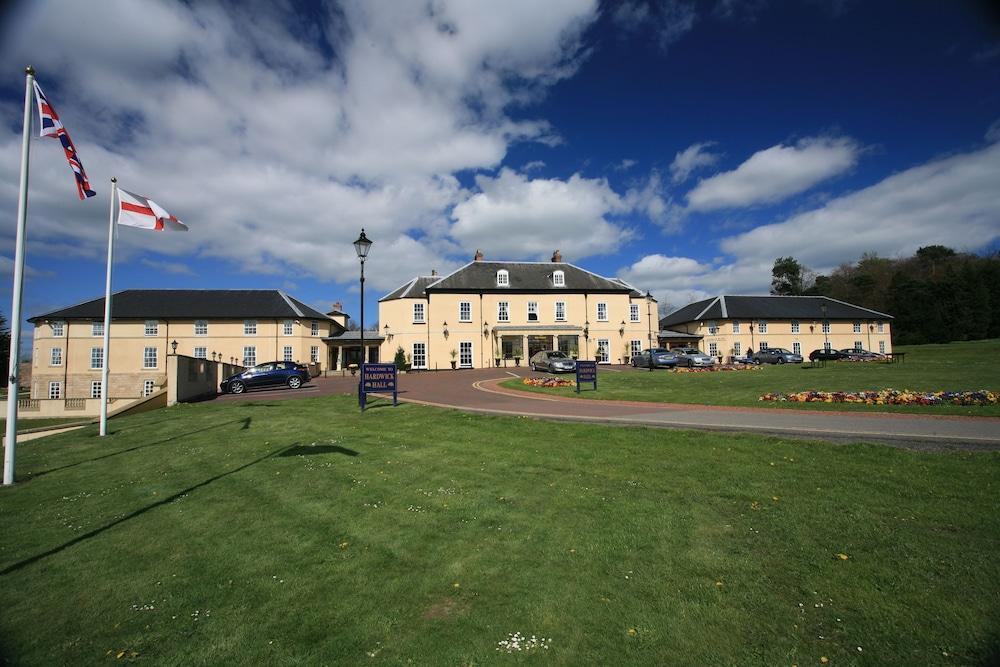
<point>13,369</point>
<point>107,310</point>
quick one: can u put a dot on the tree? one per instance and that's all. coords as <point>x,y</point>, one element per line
<point>400,360</point>
<point>787,277</point>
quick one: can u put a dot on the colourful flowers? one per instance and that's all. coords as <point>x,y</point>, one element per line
<point>889,397</point>
<point>548,382</point>
<point>716,369</point>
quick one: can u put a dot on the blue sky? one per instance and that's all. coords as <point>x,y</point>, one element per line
<point>682,146</point>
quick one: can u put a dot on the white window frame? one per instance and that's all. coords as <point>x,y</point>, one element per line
<point>880,327</point>
<point>560,317</point>
<point>826,326</point>
<point>797,348</point>
<point>881,347</point>
<point>249,327</point>
<point>763,345</point>
<point>286,353</point>
<point>201,327</point>
<point>558,279</point>
<point>795,327</point>
<point>713,328</point>
<point>414,356</point>
<point>55,356</point>
<point>602,311</point>
<point>603,355</point>
<point>503,311</point>
<point>58,329</point>
<point>150,354</point>
<point>762,326</point>
<point>532,311</point>
<point>465,354</point>
<point>713,349</point>
<point>464,311</point>
<point>503,278</point>
<point>634,348</point>
<point>287,327</point>
<point>314,328</point>
<point>96,358</point>
<point>249,356</point>
<point>857,327</point>
<point>95,388</point>
<point>737,349</point>
<point>148,387</point>
<point>201,353</point>
<point>858,345</point>
<point>151,328</point>
<point>314,354</point>
<point>633,312</point>
<point>827,346</point>
<point>736,327</point>
<point>419,313</point>
<point>97,329</point>
<point>55,390</point>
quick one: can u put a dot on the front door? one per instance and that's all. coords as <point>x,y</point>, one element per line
<point>538,343</point>
<point>465,354</point>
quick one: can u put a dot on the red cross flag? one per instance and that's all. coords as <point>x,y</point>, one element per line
<point>138,211</point>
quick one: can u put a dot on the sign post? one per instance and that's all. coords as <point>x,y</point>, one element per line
<point>586,371</point>
<point>380,379</point>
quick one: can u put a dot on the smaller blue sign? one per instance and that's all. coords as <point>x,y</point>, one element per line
<point>377,378</point>
<point>586,371</point>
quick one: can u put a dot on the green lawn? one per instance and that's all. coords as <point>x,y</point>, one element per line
<point>27,423</point>
<point>302,532</point>
<point>952,367</point>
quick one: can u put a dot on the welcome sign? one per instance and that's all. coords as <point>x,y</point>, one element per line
<point>586,371</point>
<point>379,379</point>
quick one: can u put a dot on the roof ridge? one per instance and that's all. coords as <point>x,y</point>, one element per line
<point>830,298</point>
<point>295,309</point>
<point>705,310</point>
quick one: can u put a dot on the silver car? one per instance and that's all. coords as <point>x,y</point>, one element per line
<point>661,358</point>
<point>552,361</point>
<point>693,357</point>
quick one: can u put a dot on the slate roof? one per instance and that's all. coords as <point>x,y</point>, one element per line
<point>769,308</point>
<point>481,276</point>
<point>208,304</point>
<point>355,336</point>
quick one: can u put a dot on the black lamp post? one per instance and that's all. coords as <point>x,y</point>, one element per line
<point>649,316</point>
<point>362,246</point>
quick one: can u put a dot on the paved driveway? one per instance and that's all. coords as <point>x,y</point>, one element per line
<point>479,391</point>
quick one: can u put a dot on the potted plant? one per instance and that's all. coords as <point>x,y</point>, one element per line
<point>453,354</point>
<point>353,368</point>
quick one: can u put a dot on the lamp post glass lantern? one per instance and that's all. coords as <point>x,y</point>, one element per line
<point>362,246</point>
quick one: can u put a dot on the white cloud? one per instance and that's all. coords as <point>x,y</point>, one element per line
<point>176,268</point>
<point>273,147</point>
<point>692,158</point>
<point>533,165</point>
<point>775,173</point>
<point>669,20</point>
<point>652,200</point>
<point>512,216</point>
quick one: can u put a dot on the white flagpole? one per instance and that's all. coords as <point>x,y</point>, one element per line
<point>107,310</point>
<point>13,369</point>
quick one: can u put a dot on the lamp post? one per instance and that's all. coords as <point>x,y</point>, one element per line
<point>362,246</point>
<point>649,316</point>
<point>173,347</point>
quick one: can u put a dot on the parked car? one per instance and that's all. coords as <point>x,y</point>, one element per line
<point>826,355</point>
<point>552,361</point>
<point>852,354</point>
<point>692,356</point>
<point>270,374</point>
<point>776,355</point>
<point>662,358</point>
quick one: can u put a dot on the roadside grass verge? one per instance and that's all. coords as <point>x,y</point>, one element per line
<point>303,532</point>
<point>952,367</point>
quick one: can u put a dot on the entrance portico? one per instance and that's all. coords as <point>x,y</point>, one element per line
<point>523,341</point>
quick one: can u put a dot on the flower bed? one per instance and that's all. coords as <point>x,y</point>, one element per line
<point>548,382</point>
<point>889,397</point>
<point>716,369</point>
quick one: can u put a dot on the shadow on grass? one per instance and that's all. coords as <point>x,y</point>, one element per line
<point>309,450</point>
<point>139,512</point>
<point>246,424</point>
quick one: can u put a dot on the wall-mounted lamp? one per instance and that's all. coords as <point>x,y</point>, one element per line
<point>586,329</point>
<point>173,346</point>
<point>621,330</point>
<point>445,332</point>
<point>486,329</point>
<point>213,356</point>
<point>388,336</point>
<point>871,328</point>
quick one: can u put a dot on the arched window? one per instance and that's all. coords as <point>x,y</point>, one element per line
<point>559,279</point>
<point>503,278</point>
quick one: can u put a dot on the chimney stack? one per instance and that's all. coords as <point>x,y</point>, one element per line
<point>556,256</point>
<point>338,306</point>
<point>479,255</point>
<point>434,272</point>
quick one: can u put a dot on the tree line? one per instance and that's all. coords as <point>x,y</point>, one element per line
<point>936,296</point>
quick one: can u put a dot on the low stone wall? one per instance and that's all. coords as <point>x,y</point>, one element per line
<point>38,408</point>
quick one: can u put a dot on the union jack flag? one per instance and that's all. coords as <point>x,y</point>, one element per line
<point>51,126</point>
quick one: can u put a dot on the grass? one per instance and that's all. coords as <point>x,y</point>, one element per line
<point>28,423</point>
<point>952,367</point>
<point>302,532</point>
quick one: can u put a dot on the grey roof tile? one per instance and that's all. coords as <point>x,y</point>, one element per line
<point>769,307</point>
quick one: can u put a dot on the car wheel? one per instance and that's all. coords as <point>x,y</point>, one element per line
<point>781,360</point>
<point>237,387</point>
<point>756,362</point>
<point>294,382</point>
<point>534,368</point>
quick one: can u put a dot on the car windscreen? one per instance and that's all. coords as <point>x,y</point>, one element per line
<point>557,355</point>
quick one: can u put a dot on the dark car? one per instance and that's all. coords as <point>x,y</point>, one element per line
<point>776,355</point>
<point>270,374</point>
<point>662,358</point>
<point>852,354</point>
<point>826,355</point>
<point>552,361</point>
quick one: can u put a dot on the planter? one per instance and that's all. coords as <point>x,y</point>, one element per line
<point>517,361</point>
<point>453,365</point>
<point>497,360</point>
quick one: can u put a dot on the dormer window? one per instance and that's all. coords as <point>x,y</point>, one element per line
<point>558,279</point>
<point>503,278</point>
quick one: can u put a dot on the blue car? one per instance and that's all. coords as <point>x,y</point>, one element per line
<point>662,358</point>
<point>271,374</point>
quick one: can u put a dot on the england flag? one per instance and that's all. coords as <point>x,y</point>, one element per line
<point>138,211</point>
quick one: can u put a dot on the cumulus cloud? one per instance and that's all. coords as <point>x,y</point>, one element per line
<point>692,158</point>
<point>177,268</point>
<point>652,200</point>
<point>276,135</point>
<point>775,173</point>
<point>512,216</point>
<point>950,201</point>
<point>669,20</point>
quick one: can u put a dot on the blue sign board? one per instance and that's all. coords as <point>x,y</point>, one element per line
<point>379,379</point>
<point>586,371</point>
